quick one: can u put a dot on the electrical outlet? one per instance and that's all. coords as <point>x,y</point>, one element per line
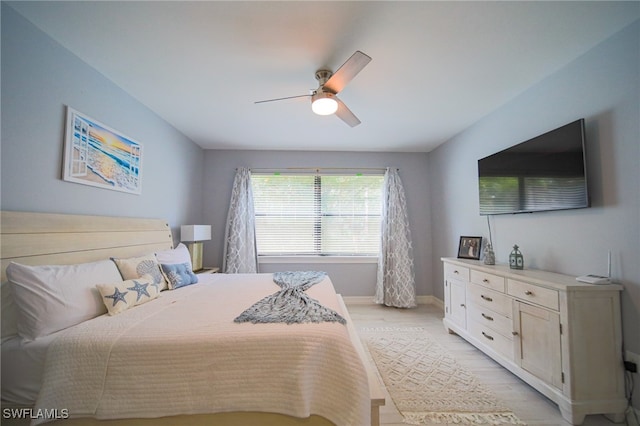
<point>632,357</point>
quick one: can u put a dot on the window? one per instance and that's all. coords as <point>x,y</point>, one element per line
<point>321,215</point>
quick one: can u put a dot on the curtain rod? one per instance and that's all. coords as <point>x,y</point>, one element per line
<point>317,169</point>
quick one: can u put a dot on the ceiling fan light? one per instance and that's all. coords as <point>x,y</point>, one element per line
<point>324,104</point>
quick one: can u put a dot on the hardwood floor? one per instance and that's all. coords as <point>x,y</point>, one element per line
<point>528,404</point>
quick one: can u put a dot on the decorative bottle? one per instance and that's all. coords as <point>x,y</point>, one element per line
<point>489,255</point>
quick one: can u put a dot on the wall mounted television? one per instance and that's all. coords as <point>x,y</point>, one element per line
<point>545,173</point>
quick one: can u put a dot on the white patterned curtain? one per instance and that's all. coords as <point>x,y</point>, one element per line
<point>395,284</point>
<point>240,254</point>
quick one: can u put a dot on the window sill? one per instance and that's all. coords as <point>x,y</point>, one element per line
<point>317,259</point>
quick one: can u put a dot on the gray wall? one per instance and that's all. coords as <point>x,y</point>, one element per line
<point>603,87</point>
<point>39,78</point>
<point>349,279</point>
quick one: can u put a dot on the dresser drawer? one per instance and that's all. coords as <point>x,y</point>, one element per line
<point>488,318</point>
<point>488,337</point>
<point>491,281</point>
<point>535,294</point>
<point>482,296</point>
<point>456,272</point>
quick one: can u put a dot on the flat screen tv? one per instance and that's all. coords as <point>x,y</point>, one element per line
<point>545,173</point>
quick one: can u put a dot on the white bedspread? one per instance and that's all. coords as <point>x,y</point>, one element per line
<point>183,354</point>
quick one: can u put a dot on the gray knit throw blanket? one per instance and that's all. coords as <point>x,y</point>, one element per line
<point>291,304</point>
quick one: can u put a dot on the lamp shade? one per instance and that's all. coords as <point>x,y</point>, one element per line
<point>195,232</point>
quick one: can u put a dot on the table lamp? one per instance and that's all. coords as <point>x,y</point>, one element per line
<point>193,235</point>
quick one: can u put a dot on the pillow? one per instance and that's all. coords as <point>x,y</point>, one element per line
<point>121,296</point>
<point>180,254</point>
<point>50,298</point>
<point>136,267</point>
<point>179,275</point>
<point>9,320</point>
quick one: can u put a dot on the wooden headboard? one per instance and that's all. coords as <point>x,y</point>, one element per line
<point>63,239</point>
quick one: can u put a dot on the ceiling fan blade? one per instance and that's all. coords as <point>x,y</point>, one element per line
<point>345,114</point>
<point>347,72</point>
<point>281,99</point>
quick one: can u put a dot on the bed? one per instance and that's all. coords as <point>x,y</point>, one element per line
<point>180,358</point>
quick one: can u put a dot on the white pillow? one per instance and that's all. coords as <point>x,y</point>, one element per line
<point>50,298</point>
<point>121,296</point>
<point>9,320</point>
<point>180,254</point>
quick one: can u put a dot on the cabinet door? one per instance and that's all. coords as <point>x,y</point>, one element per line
<point>455,302</point>
<point>537,342</point>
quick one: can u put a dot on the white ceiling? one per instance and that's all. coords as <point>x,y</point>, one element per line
<point>437,67</point>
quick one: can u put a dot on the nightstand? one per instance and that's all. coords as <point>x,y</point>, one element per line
<point>207,270</point>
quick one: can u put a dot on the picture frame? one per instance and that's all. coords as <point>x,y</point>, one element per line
<point>469,248</point>
<point>97,155</point>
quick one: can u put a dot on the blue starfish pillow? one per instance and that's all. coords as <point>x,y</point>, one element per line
<point>179,274</point>
<point>127,294</point>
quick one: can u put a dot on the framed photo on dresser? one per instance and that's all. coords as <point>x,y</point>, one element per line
<point>469,248</point>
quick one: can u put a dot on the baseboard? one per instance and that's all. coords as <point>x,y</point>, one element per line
<point>358,300</point>
<point>368,300</point>
<point>437,302</point>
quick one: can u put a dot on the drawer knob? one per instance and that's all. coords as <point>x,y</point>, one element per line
<point>487,317</point>
<point>485,280</point>
<point>528,293</point>
<point>456,272</point>
<point>488,299</point>
<point>487,336</point>
<point>515,333</point>
<point>462,305</point>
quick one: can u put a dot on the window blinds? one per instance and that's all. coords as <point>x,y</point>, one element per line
<point>321,214</point>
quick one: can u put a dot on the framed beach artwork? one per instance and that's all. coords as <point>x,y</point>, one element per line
<point>97,155</point>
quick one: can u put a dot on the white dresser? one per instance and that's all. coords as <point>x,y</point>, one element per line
<point>560,336</point>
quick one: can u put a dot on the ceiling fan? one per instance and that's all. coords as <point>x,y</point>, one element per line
<point>323,99</point>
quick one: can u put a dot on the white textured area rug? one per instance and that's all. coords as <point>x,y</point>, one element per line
<point>427,384</point>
